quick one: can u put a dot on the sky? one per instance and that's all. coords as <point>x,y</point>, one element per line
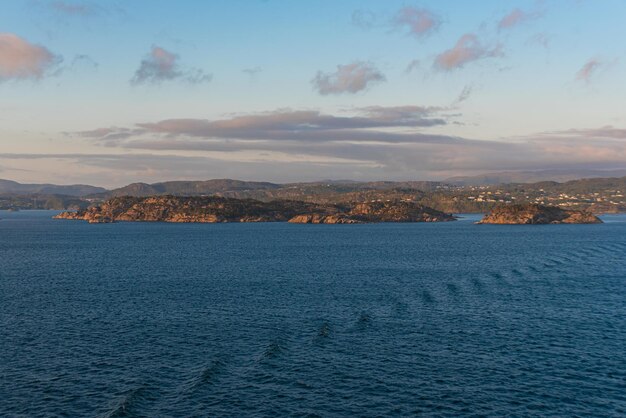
<point>114,92</point>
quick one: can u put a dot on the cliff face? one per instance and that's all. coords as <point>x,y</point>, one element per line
<point>537,214</point>
<point>219,209</point>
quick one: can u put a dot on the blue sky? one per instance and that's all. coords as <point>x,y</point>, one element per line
<point>112,92</point>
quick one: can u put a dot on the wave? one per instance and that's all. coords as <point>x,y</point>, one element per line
<point>206,376</point>
<point>128,404</point>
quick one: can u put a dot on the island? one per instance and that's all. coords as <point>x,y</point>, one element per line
<point>526,214</point>
<point>212,209</point>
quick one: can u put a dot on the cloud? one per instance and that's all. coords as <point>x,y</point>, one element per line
<point>588,69</point>
<point>402,116</point>
<point>412,66</point>
<point>515,18</point>
<point>107,134</point>
<point>84,61</point>
<point>374,141</point>
<point>253,71</point>
<point>605,132</point>
<point>162,65</point>
<point>467,49</point>
<point>349,78</point>
<point>159,65</point>
<point>363,19</point>
<point>542,39</point>
<point>465,94</point>
<point>367,124</point>
<point>115,170</point>
<point>418,22</point>
<point>73,8</point>
<point>20,59</point>
<point>188,148</point>
<point>278,160</point>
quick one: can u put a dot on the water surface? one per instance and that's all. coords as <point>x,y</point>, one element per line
<point>149,319</point>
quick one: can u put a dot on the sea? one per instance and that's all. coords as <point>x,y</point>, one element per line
<point>276,319</point>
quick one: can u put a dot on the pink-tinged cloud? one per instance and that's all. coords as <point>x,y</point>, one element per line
<point>517,17</point>
<point>467,49</point>
<point>349,78</point>
<point>512,19</point>
<point>159,65</point>
<point>74,9</point>
<point>587,70</point>
<point>20,59</point>
<point>162,65</point>
<point>419,22</point>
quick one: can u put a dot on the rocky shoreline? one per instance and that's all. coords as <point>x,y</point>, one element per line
<point>532,214</point>
<point>213,209</point>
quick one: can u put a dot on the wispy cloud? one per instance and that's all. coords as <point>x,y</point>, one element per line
<point>252,71</point>
<point>515,18</point>
<point>73,8</point>
<point>67,11</point>
<point>162,65</point>
<point>20,59</point>
<point>107,134</point>
<point>605,132</point>
<point>364,19</point>
<point>417,22</point>
<point>541,38</point>
<point>588,70</point>
<point>413,65</point>
<point>349,78</point>
<point>465,94</point>
<point>114,170</point>
<point>467,49</point>
<point>83,60</point>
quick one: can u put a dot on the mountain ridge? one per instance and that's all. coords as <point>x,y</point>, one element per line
<point>10,186</point>
<point>529,177</point>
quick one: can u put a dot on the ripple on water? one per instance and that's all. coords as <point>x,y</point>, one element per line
<point>130,403</point>
<point>206,376</point>
<point>274,350</point>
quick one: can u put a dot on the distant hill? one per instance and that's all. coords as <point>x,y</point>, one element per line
<point>261,190</point>
<point>506,177</point>
<point>598,194</point>
<point>589,185</point>
<point>189,188</point>
<point>8,186</point>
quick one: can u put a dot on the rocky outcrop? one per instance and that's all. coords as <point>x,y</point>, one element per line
<point>397,211</point>
<point>537,214</point>
<point>317,218</point>
<point>220,209</point>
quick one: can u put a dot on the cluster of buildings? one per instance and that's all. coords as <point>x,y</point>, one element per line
<point>610,200</point>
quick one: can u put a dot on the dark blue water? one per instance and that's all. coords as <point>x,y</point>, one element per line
<point>453,319</point>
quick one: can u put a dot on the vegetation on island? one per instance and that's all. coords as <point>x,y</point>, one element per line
<point>537,214</point>
<point>221,209</point>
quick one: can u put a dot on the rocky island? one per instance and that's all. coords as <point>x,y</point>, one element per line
<point>211,209</point>
<point>526,214</point>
